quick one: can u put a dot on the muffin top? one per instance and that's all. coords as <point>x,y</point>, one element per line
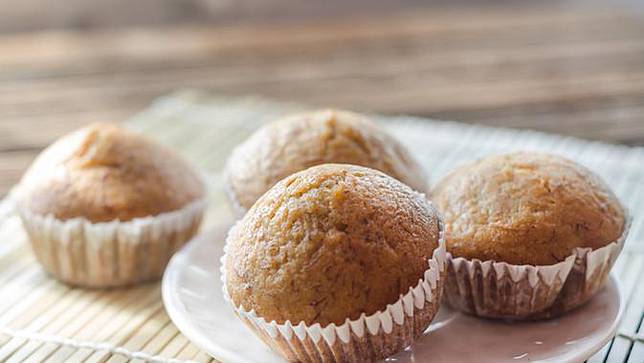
<point>526,208</point>
<point>295,143</point>
<point>330,243</point>
<point>102,173</point>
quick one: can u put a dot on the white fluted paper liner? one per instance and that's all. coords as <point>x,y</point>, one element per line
<point>238,209</point>
<point>502,290</point>
<point>80,252</point>
<point>366,338</point>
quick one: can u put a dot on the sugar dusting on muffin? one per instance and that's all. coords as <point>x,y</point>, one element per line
<point>103,172</point>
<point>303,140</point>
<point>151,198</point>
<point>330,243</point>
<point>526,208</point>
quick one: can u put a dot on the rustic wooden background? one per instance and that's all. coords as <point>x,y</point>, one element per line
<point>571,67</point>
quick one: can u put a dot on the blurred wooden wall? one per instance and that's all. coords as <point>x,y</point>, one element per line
<point>562,66</point>
<point>28,15</point>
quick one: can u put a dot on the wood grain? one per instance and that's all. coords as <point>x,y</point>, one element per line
<point>574,69</point>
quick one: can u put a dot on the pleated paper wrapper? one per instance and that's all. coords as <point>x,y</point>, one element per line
<point>236,206</point>
<point>502,290</point>
<point>80,252</point>
<point>368,338</point>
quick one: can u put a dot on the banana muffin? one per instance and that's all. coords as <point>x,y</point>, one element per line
<point>105,207</point>
<point>332,244</point>
<point>531,210</point>
<point>299,141</point>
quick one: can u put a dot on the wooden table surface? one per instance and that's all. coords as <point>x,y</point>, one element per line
<point>566,67</point>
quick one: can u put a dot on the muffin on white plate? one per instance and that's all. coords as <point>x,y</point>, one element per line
<point>302,140</point>
<point>336,263</point>
<point>530,235</point>
<point>105,207</point>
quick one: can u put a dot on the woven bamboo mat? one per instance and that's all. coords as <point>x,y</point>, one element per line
<point>44,321</point>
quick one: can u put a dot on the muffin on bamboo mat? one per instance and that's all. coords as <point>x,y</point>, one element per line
<point>299,141</point>
<point>530,235</point>
<point>105,207</point>
<point>336,263</point>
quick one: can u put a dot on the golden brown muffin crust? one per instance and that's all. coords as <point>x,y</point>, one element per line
<point>303,140</point>
<point>103,172</point>
<point>526,208</point>
<point>330,243</point>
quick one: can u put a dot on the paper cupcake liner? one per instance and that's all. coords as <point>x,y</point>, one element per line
<point>80,252</point>
<point>367,338</point>
<point>238,209</point>
<point>502,290</point>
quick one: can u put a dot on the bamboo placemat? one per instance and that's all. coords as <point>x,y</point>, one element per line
<point>42,320</point>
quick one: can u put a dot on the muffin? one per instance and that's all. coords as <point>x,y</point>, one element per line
<point>300,141</point>
<point>336,263</point>
<point>530,235</point>
<point>105,207</point>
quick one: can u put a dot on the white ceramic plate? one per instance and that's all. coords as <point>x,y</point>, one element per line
<point>192,296</point>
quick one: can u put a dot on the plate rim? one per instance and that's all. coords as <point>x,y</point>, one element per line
<point>183,324</point>
<point>612,332</point>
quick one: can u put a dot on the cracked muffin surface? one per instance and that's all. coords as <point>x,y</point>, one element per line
<point>330,243</point>
<point>299,141</point>
<point>526,208</point>
<point>103,172</point>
